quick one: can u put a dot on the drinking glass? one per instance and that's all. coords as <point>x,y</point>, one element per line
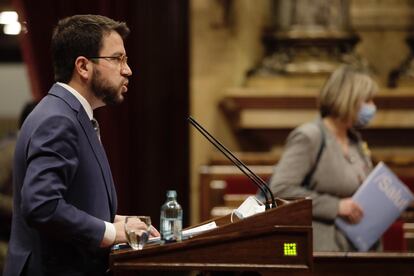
<point>137,231</point>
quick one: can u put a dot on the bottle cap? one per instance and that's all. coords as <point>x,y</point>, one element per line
<point>171,193</point>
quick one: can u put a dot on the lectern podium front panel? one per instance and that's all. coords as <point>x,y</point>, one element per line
<point>259,243</point>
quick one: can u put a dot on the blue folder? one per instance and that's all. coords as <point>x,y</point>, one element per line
<point>382,197</point>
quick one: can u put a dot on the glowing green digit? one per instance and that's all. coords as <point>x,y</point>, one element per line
<point>289,249</point>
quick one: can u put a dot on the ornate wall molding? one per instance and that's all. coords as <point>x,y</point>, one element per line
<point>373,15</point>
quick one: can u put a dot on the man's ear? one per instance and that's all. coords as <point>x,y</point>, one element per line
<point>83,67</point>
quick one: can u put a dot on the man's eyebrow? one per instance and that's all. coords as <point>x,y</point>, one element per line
<point>119,54</point>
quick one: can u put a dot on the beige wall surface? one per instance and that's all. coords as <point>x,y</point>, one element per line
<point>383,26</point>
<point>15,90</point>
<point>220,56</point>
<point>14,94</point>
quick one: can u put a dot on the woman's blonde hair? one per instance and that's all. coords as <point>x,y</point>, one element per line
<point>344,91</point>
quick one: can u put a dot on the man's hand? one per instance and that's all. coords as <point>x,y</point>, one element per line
<point>139,226</point>
<point>120,236</point>
<point>350,211</point>
<point>154,232</point>
<point>119,218</point>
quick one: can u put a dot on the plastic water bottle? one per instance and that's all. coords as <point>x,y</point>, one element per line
<point>171,218</point>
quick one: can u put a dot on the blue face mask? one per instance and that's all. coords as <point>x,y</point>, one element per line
<point>365,115</point>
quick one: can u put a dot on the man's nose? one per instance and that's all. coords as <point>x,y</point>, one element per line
<point>126,70</point>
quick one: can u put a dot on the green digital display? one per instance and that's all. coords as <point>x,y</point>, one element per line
<point>289,249</point>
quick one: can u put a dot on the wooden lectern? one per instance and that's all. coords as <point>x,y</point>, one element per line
<point>279,239</point>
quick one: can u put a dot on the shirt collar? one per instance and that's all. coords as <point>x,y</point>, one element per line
<point>81,99</point>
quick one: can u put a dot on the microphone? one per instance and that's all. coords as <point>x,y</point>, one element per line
<point>260,183</point>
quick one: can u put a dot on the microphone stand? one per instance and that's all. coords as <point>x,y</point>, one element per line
<point>260,183</point>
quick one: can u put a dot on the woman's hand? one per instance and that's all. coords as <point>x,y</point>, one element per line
<point>350,211</point>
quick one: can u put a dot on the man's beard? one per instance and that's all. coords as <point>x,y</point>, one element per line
<point>101,88</point>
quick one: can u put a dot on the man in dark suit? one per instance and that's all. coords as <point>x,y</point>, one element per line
<point>64,218</point>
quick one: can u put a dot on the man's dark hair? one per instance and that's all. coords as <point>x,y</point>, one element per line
<point>80,35</point>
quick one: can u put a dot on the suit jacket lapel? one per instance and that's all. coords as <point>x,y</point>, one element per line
<point>97,149</point>
<point>93,140</point>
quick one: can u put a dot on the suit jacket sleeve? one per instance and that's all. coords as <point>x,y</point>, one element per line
<point>52,160</point>
<point>298,157</point>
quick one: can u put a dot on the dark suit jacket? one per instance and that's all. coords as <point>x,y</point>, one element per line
<point>63,192</point>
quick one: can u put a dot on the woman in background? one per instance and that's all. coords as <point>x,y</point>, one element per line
<point>327,160</point>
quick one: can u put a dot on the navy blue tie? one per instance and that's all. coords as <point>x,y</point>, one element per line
<point>96,128</point>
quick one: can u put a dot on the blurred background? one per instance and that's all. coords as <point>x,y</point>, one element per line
<point>248,71</point>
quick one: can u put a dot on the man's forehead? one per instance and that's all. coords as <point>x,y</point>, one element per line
<point>112,41</point>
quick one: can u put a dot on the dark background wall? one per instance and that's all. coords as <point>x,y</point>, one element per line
<point>146,137</point>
